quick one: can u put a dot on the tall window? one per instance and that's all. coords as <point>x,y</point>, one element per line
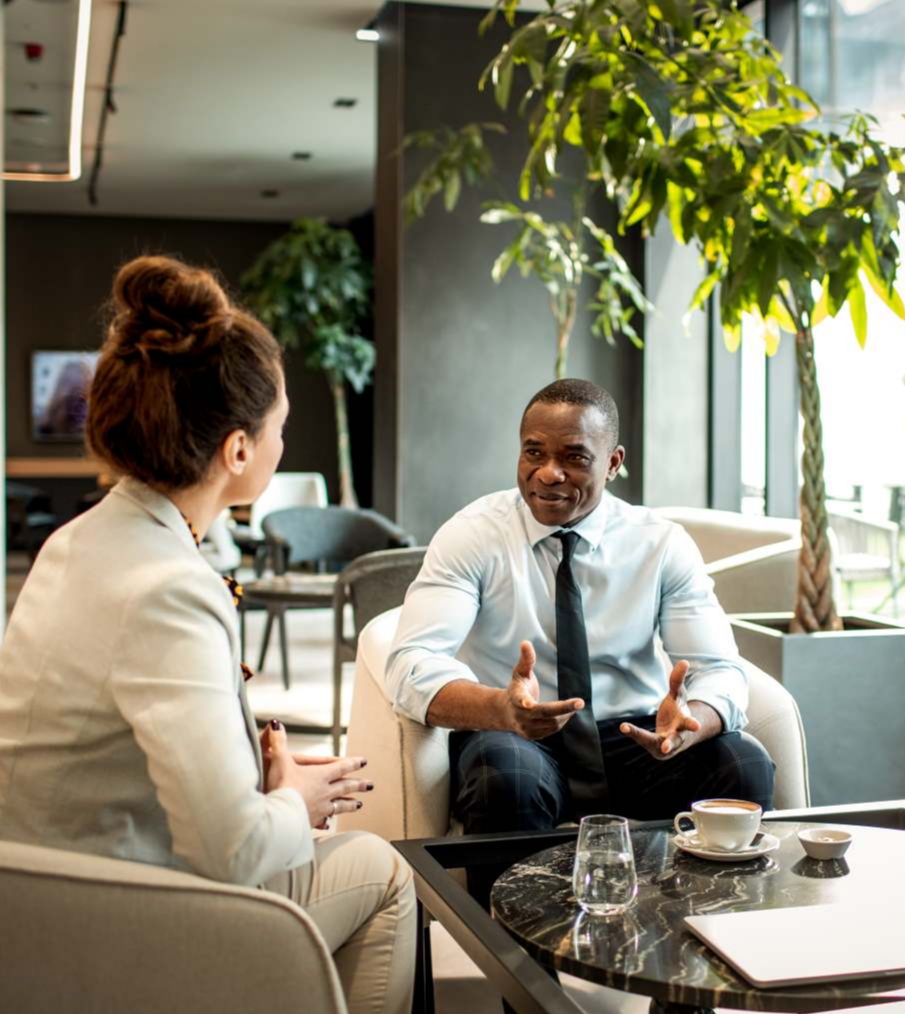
<point>852,57</point>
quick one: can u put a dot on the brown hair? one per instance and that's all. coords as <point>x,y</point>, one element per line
<point>181,368</point>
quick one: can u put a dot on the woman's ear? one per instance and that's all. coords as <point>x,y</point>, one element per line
<point>236,452</point>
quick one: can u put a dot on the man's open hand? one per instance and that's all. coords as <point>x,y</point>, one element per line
<point>524,712</point>
<point>676,727</point>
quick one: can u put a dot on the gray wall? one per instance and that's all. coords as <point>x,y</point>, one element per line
<point>676,366</point>
<point>59,272</point>
<point>459,356</point>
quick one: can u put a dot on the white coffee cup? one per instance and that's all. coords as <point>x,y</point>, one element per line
<point>728,824</point>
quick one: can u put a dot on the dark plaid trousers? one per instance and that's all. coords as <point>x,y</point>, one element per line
<point>501,782</point>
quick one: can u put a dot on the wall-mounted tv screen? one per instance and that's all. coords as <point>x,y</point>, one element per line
<point>60,382</point>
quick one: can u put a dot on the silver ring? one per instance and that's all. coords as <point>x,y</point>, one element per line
<point>333,804</point>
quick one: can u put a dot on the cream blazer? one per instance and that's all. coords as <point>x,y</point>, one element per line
<point>124,725</point>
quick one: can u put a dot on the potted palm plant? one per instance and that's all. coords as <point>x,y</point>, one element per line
<point>312,288</point>
<point>681,112</point>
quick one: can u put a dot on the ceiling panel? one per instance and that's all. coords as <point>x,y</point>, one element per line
<point>213,97</point>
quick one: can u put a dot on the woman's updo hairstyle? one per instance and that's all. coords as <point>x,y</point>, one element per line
<point>181,369</point>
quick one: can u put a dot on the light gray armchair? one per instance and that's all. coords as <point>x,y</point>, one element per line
<point>409,762</point>
<point>82,934</point>
<point>752,560</point>
<point>866,549</point>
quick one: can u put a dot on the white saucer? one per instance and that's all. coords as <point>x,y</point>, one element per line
<point>693,847</point>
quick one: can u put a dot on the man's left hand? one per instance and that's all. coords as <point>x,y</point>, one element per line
<point>676,729</point>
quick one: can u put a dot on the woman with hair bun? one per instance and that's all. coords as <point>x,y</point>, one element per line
<point>124,725</point>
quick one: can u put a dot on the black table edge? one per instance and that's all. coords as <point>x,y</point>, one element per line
<point>522,980</point>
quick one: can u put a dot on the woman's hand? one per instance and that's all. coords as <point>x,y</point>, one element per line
<point>325,783</point>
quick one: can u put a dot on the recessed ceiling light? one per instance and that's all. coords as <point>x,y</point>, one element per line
<point>302,156</point>
<point>23,115</point>
<point>269,194</point>
<point>345,103</point>
<point>367,35</point>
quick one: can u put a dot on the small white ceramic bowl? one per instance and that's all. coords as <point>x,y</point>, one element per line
<point>824,843</point>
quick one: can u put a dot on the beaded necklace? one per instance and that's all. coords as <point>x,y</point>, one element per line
<point>235,589</point>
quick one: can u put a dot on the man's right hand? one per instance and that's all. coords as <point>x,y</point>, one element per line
<point>524,713</point>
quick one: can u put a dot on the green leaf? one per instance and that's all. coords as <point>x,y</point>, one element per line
<point>890,296</point>
<point>502,82</point>
<point>702,292</point>
<point>857,306</point>
<point>503,263</point>
<point>496,213</point>
<point>572,133</point>
<point>822,309</point>
<point>679,14</point>
<point>653,91</point>
<point>732,336</point>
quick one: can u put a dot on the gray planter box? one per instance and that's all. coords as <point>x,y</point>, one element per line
<point>850,688</point>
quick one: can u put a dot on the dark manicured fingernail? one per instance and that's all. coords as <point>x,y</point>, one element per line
<point>364,763</point>
<point>369,786</point>
<point>276,724</point>
<point>359,805</point>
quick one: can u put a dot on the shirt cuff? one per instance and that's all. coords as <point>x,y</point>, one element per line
<point>425,680</point>
<point>712,690</point>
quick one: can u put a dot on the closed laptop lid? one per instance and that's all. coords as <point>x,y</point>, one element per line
<point>815,943</point>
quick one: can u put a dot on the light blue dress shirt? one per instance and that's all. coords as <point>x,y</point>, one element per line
<point>489,582</point>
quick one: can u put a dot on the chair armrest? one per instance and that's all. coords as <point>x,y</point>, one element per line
<point>888,813</point>
<point>761,580</point>
<point>278,549</point>
<point>397,537</point>
<point>408,762</point>
<point>85,932</point>
<point>775,721</point>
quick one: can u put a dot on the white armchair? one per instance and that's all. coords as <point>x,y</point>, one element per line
<point>866,549</point>
<point>752,560</point>
<point>409,762</point>
<point>85,933</point>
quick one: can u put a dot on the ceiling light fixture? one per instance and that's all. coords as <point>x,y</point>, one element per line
<point>77,109</point>
<point>367,35</point>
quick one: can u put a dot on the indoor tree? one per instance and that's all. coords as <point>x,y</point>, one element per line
<point>312,288</point>
<point>680,110</point>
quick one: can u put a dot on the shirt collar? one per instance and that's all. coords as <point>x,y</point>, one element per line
<point>590,528</point>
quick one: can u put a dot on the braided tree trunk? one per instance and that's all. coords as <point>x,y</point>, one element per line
<point>814,608</point>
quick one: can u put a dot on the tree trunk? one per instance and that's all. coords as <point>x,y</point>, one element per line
<point>562,351</point>
<point>565,321</point>
<point>347,496</point>
<point>814,607</point>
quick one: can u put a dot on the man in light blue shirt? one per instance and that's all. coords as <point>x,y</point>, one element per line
<point>660,683</point>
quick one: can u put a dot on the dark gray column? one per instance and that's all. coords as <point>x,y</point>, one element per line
<point>458,356</point>
<point>782,374</point>
<point>676,363</point>
<point>782,432</point>
<point>725,423</point>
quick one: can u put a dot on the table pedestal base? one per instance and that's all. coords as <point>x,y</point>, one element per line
<point>667,1007</point>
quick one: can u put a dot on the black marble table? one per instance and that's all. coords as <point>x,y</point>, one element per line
<point>649,951</point>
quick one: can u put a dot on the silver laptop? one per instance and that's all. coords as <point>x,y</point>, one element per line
<point>815,943</point>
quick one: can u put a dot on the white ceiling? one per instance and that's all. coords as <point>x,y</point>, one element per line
<point>213,97</point>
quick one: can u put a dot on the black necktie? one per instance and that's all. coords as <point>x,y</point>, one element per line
<point>579,741</point>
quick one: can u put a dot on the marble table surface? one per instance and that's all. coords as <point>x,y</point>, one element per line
<point>649,950</point>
